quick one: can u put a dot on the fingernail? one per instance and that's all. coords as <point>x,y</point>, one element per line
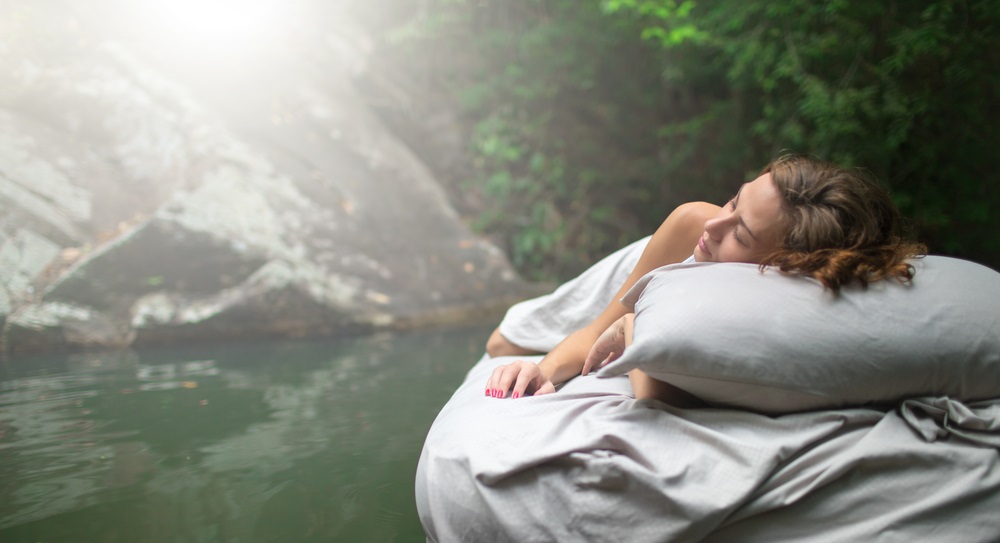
<point>487,392</point>
<point>515,395</point>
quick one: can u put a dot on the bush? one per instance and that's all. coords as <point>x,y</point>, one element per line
<point>589,121</point>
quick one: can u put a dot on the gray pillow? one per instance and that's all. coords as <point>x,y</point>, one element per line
<point>734,336</point>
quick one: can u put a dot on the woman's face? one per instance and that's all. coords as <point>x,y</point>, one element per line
<point>746,228</point>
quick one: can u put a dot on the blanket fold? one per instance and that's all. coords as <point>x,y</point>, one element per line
<point>937,418</point>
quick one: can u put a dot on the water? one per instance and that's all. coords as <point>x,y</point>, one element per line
<point>278,441</point>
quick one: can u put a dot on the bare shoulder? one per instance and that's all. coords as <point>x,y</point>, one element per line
<point>695,213</point>
<point>688,219</point>
<point>676,238</point>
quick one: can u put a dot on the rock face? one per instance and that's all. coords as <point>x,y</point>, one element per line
<point>154,193</point>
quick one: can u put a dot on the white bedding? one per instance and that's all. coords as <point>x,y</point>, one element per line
<point>591,463</point>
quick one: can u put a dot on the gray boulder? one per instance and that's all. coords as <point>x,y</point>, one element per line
<point>149,196</point>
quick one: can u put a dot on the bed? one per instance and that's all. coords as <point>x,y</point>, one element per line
<point>901,449</point>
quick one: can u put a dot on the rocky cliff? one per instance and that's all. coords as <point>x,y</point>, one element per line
<point>158,186</point>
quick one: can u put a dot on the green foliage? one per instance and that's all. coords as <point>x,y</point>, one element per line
<point>907,90</point>
<point>555,112</point>
<point>591,120</point>
<point>669,21</point>
<point>521,183</point>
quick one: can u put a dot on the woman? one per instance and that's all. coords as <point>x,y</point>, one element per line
<point>801,215</point>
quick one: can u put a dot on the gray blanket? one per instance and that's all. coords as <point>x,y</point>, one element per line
<point>591,463</point>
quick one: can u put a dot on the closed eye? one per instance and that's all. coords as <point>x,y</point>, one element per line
<point>736,199</point>
<point>732,206</point>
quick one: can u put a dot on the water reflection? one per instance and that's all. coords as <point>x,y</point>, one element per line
<point>290,441</point>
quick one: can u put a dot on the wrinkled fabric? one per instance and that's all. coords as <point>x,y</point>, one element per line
<point>591,463</point>
<point>541,323</point>
<point>939,418</point>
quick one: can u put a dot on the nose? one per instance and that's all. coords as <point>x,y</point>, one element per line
<point>715,227</point>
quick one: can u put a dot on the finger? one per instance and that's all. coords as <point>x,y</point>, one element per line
<point>524,379</point>
<point>546,388</point>
<point>507,376</point>
<point>490,380</point>
<point>595,361</point>
<point>493,383</point>
<point>611,358</point>
<point>592,361</point>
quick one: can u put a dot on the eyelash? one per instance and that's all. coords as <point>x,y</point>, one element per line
<point>736,235</point>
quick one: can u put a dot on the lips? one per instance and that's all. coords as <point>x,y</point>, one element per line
<point>704,247</point>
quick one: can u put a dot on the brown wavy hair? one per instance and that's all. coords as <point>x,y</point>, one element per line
<point>840,225</point>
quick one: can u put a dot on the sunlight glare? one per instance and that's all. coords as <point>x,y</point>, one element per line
<point>215,25</point>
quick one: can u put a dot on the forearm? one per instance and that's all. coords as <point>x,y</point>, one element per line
<point>498,345</point>
<point>672,242</point>
<point>566,360</point>
<point>645,386</point>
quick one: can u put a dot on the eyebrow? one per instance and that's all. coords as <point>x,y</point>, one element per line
<point>736,200</point>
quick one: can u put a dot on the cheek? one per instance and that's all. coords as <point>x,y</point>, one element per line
<point>729,252</point>
<point>733,251</point>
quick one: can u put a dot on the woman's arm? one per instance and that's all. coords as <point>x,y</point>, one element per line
<point>672,242</point>
<point>645,387</point>
<point>612,343</point>
<point>497,345</point>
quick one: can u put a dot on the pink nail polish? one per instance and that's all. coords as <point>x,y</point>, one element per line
<point>515,395</point>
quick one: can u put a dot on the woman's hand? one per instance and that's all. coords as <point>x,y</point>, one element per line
<point>519,378</point>
<point>610,344</point>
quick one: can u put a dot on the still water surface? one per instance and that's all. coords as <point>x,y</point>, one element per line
<point>280,441</point>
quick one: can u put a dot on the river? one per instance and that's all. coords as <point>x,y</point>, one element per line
<point>307,440</point>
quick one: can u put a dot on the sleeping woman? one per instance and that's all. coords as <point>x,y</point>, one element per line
<point>801,215</point>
